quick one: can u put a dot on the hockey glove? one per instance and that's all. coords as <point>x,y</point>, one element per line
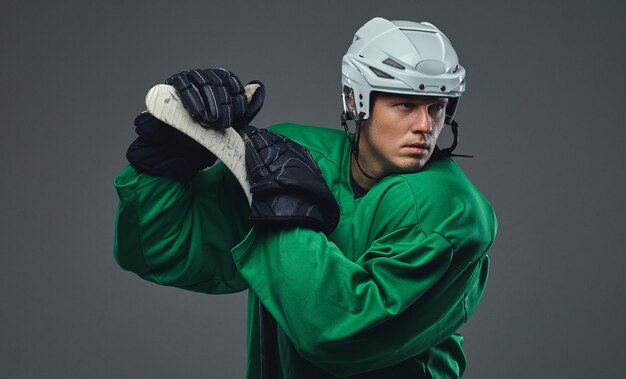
<point>287,186</point>
<point>162,150</point>
<point>215,98</point>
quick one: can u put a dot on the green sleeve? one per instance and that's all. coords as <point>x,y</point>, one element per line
<point>178,234</point>
<point>402,296</point>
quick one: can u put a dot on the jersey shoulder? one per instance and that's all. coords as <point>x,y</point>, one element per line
<point>324,141</point>
<point>442,179</point>
<point>449,204</point>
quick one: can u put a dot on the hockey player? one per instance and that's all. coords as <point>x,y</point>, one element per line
<point>369,251</point>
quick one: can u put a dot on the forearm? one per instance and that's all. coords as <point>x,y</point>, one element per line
<point>180,234</point>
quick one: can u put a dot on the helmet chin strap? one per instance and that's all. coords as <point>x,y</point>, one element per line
<point>447,152</point>
<point>354,141</point>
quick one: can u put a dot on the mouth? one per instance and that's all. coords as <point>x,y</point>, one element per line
<point>417,148</point>
<point>418,145</point>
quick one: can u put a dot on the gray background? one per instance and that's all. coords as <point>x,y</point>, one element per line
<point>543,114</point>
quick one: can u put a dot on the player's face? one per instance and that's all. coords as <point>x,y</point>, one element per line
<point>401,134</point>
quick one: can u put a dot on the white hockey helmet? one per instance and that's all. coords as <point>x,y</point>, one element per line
<point>402,57</point>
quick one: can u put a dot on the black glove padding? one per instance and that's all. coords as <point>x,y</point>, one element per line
<point>286,184</point>
<point>215,98</point>
<point>162,150</point>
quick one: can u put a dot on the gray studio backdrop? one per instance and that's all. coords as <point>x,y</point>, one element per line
<point>542,114</point>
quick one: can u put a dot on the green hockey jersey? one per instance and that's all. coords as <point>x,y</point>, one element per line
<point>380,297</point>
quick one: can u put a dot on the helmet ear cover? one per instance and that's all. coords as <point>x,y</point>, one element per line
<point>453,102</point>
<point>349,105</point>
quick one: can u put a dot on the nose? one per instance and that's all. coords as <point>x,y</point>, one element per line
<point>422,121</point>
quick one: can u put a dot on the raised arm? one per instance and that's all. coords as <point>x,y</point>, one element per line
<point>175,227</point>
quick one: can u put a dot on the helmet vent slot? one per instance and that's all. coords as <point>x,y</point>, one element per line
<point>392,63</point>
<point>380,74</point>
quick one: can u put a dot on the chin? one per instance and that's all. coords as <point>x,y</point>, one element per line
<point>414,164</point>
<point>409,168</point>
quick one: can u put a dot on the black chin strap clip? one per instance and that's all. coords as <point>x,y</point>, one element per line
<point>447,152</point>
<point>354,140</point>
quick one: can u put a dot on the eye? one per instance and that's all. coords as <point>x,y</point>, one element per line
<point>436,109</point>
<point>405,105</point>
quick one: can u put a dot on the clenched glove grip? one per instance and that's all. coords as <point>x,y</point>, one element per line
<point>162,150</point>
<point>287,186</point>
<point>215,98</point>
